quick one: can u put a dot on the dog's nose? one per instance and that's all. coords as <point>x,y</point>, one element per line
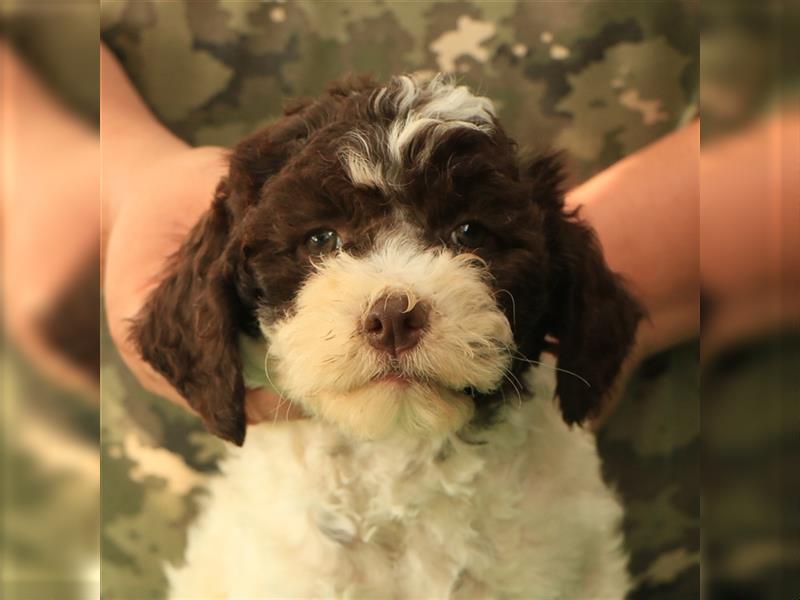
<point>391,327</point>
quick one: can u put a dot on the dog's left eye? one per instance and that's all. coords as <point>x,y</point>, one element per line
<point>469,235</point>
<point>323,241</point>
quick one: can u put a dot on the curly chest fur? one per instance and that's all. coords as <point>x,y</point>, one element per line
<point>404,265</point>
<point>516,511</point>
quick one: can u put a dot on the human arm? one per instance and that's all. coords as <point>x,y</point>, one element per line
<point>51,228</point>
<point>155,188</point>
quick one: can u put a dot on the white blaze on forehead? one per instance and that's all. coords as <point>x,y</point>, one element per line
<point>431,106</point>
<point>363,171</point>
<point>362,167</point>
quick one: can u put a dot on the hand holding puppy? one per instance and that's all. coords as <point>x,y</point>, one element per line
<point>155,188</point>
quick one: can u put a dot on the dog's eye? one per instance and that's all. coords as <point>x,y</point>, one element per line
<point>469,235</point>
<point>323,241</point>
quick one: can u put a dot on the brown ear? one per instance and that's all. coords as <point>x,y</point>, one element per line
<point>188,329</point>
<point>594,318</point>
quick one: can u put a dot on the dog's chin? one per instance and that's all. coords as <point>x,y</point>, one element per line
<point>394,405</point>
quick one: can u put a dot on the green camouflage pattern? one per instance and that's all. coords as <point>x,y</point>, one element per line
<point>49,487</point>
<point>49,438</point>
<point>213,71</point>
<point>751,470</point>
<point>598,80</point>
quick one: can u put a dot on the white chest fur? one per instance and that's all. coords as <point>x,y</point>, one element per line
<point>303,512</point>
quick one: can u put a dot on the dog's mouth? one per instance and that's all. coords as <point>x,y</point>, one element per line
<point>418,394</point>
<point>396,373</point>
<point>400,379</point>
<point>395,378</point>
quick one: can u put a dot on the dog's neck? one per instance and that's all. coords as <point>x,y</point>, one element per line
<point>253,353</point>
<point>358,488</point>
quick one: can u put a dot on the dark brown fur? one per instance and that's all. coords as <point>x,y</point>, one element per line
<point>247,253</point>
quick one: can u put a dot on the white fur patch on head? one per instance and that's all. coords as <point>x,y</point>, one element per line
<point>421,106</point>
<point>362,167</point>
<point>321,359</point>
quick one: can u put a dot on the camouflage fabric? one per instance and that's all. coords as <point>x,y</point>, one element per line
<point>60,44</point>
<point>50,485</point>
<point>596,79</point>
<point>750,431</point>
<point>751,479</point>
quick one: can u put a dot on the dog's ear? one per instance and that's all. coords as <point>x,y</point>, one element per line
<point>188,328</point>
<point>592,315</point>
<point>261,155</point>
<point>545,174</point>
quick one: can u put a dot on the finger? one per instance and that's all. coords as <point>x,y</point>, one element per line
<point>263,405</point>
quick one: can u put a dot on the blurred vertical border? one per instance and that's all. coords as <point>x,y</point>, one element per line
<point>49,423</point>
<point>750,415</point>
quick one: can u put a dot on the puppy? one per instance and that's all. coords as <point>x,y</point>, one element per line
<point>409,274</point>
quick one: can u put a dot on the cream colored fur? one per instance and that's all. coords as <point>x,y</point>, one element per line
<point>318,357</point>
<point>305,511</point>
<point>388,492</point>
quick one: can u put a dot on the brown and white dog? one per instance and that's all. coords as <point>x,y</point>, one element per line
<point>407,270</point>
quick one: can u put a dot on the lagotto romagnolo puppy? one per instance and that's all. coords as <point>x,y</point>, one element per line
<point>406,271</point>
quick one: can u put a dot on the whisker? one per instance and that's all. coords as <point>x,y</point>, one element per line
<point>508,376</point>
<point>519,387</point>
<point>277,410</point>
<point>513,306</point>
<point>281,398</point>
<point>522,358</point>
<point>289,405</point>
<point>511,374</point>
<point>503,395</point>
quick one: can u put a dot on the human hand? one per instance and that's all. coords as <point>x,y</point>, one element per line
<point>158,203</point>
<point>155,188</point>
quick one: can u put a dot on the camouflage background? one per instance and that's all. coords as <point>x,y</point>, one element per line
<point>597,79</point>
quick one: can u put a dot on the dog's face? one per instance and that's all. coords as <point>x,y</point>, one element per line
<point>403,264</point>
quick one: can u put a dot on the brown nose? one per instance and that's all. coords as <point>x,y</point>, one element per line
<point>390,327</point>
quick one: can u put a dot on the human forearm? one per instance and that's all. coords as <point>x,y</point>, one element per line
<point>645,212</point>
<point>51,222</point>
<point>133,139</point>
<point>750,218</point>
<point>155,188</point>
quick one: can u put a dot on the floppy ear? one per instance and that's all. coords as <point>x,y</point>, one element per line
<point>594,318</point>
<point>188,329</point>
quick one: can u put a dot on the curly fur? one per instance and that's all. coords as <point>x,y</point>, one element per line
<point>515,511</point>
<point>380,494</point>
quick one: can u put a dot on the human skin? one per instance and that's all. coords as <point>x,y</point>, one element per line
<point>750,219</point>
<point>50,196</point>
<point>155,187</point>
<point>646,218</point>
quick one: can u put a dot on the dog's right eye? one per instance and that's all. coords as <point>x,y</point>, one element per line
<point>469,235</point>
<point>323,241</point>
